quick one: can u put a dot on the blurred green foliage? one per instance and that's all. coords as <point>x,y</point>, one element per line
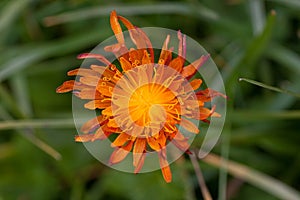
<point>244,38</point>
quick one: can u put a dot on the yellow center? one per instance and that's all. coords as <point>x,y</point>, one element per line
<point>148,104</point>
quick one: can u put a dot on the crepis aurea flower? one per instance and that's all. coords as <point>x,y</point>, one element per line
<point>144,102</point>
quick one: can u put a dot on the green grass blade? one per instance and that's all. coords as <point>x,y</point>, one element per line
<point>50,49</point>
<point>258,179</point>
<point>36,123</point>
<point>10,12</point>
<point>133,9</point>
<point>290,3</point>
<point>270,87</point>
<point>252,53</point>
<point>257,13</point>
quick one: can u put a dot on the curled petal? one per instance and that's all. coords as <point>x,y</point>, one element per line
<point>115,26</point>
<point>205,113</point>
<point>96,56</point>
<point>181,45</point>
<point>208,94</point>
<point>191,69</point>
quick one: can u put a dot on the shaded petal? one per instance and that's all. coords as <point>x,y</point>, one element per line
<point>180,141</point>
<point>91,137</point>
<point>138,151</point>
<point>90,80</point>
<point>189,126</point>
<point>92,124</point>
<point>89,94</point>
<point>140,163</point>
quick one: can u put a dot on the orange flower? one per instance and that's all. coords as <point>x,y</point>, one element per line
<point>143,103</point>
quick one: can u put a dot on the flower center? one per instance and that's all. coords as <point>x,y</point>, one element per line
<point>147,104</point>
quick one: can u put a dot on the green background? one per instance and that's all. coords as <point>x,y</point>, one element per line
<point>39,41</point>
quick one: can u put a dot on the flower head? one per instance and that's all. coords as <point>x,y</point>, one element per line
<point>144,102</point>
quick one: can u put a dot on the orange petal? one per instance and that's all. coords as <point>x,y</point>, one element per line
<point>99,135</point>
<point>126,65</point>
<point>107,111</point>
<point>120,140</point>
<point>100,104</point>
<point>180,141</point>
<point>164,165</point>
<point>115,26</point>
<point>208,94</point>
<point>89,94</point>
<point>165,55</point>
<point>138,150</point>
<point>146,59</point>
<point>112,123</point>
<point>189,126</point>
<point>148,42</point>
<point>181,45</point>
<point>196,83</point>
<point>67,86</point>
<point>105,88</point>
<point>177,63</point>
<point>89,80</point>
<point>98,68</point>
<point>82,72</point>
<point>153,144</point>
<point>140,163</point>
<point>205,113</point>
<point>191,69</point>
<point>92,124</point>
<point>120,153</point>
<point>96,56</point>
<point>162,139</point>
